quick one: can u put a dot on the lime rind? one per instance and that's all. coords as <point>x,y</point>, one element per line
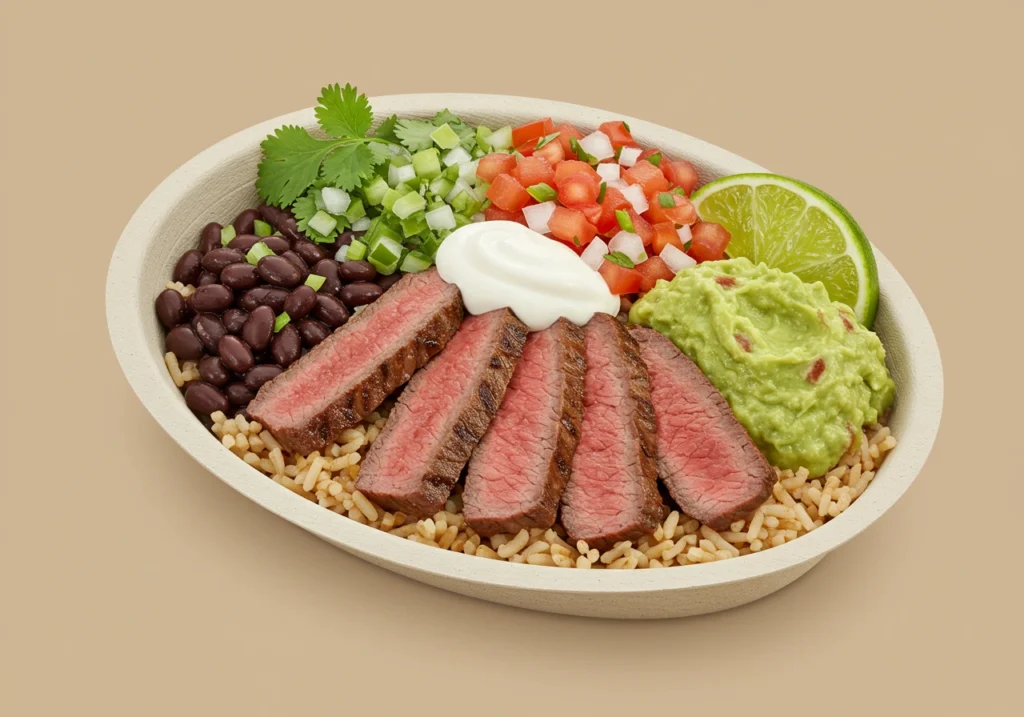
<point>808,246</point>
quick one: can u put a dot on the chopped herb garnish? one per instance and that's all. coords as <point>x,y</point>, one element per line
<point>666,199</point>
<point>576,241</point>
<point>617,257</point>
<point>655,159</point>
<point>626,125</point>
<point>583,156</point>
<point>602,192</point>
<point>281,321</point>
<point>545,140</point>
<point>625,221</point>
<point>542,192</point>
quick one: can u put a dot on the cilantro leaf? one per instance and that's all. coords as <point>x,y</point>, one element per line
<point>291,162</point>
<point>305,209</point>
<point>386,129</point>
<point>415,134</point>
<point>445,116</point>
<point>379,151</point>
<point>617,257</point>
<point>346,166</point>
<point>343,112</point>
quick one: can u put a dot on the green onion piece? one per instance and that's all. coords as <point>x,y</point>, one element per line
<point>666,199</point>
<point>680,191</point>
<point>686,246</point>
<point>545,140</point>
<point>655,159</point>
<point>257,252</point>
<point>315,281</point>
<point>322,223</point>
<point>262,229</point>
<point>445,137</point>
<point>427,163</point>
<point>542,192</point>
<point>624,221</point>
<point>600,194</point>
<point>415,262</point>
<point>617,257</point>
<point>356,251</point>
<point>626,125</point>
<point>281,321</point>
<point>583,156</point>
<point>375,190</point>
<point>227,234</point>
<point>576,241</point>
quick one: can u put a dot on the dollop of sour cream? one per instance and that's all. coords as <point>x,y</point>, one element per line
<point>507,265</point>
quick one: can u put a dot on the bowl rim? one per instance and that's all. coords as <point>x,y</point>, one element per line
<point>125,304</point>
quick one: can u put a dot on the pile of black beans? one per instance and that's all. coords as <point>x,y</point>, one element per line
<point>227,324</point>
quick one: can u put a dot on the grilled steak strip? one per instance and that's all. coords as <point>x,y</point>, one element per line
<point>612,493</point>
<point>349,374</point>
<point>441,416</point>
<point>518,472</point>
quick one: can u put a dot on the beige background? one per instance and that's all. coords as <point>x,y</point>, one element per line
<point>134,583</point>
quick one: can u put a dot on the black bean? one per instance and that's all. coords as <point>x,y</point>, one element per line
<point>357,270</point>
<point>215,260</point>
<point>244,242</point>
<point>235,354</point>
<point>207,278</point>
<point>210,330</point>
<point>328,269</point>
<point>300,302</point>
<point>242,275</point>
<point>312,332</point>
<point>171,308</point>
<point>183,343</point>
<point>234,320</point>
<point>360,293</point>
<point>204,398</point>
<point>281,220</point>
<point>239,394</point>
<point>259,328</point>
<point>212,370</point>
<point>331,310</point>
<point>209,239</point>
<point>244,222</point>
<point>260,375</point>
<point>297,261</point>
<point>279,271</point>
<point>386,282</point>
<point>278,245</point>
<point>286,346</point>
<point>212,298</point>
<point>188,268</point>
<point>253,298</point>
<point>309,251</point>
<point>276,298</point>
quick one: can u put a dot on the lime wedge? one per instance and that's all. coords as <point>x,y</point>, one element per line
<point>794,227</point>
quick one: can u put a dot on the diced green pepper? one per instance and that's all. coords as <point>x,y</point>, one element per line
<point>414,224</point>
<point>444,137</point>
<point>408,205</point>
<point>227,234</point>
<point>257,252</point>
<point>385,256</point>
<point>542,192</point>
<point>356,250</point>
<point>375,191</point>
<point>355,210</point>
<point>482,133</point>
<point>322,223</point>
<point>262,229</point>
<point>416,261</point>
<point>427,163</point>
<point>315,281</point>
<point>390,197</point>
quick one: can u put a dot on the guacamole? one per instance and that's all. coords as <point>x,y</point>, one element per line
<point>800,373</point>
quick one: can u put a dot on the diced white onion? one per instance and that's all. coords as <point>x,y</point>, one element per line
<point>609,171</point>
<point>457,156</point>
<point>478,217</point>
<point>629,155</point>
<point>634,194</point>
<point>629,244</point>
<point>593,255</point>
<point>500,139</point>
<point>598,145</point>
<point>619,184</point>
<point>459,188</point>
<point>361,224</point>
<point>537,216</point>
<point>675,259</point>
<point>336,200</point>
<point>342,253</point>
<point>467,172</point>
<point>684,233</point>
<point>441,218</point>
<point>397,175</point>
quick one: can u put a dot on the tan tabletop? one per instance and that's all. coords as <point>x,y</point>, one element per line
<point>132,582</point>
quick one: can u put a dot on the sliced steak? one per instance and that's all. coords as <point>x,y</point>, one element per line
<point>706,459</point>
<point>441,415</point>
<point>518,472</point>
<point>352,371</point>
<point>612,493</point>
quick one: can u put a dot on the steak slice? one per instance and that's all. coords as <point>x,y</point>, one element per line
<point>518,472</point>
<point>706,459</point>
<point>349,374</point>
<point>612,493</point>
<point>441,415</point>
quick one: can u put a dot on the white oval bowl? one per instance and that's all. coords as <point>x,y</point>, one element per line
<point>218,183</point>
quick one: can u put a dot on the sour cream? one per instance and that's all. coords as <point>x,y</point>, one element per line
<point>507,265</point>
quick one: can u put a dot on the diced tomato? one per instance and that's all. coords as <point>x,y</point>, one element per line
<point>577,190</point>
<point>647,176</point>
<point>532,130</point>
<point>552,152</point>
<point>571,225</point>
<point>681,212</point>
<point>607,224</point>
<point>534,170</point>
<point>641,227</point>
<point>526,148</point>
<point>567,132</point>
<point>620,280</point>
<point>493,213</point>
<point>591,211</point>
<point>681,173</point>
<point>651,270</point>
<point>618,134</point>
<point>664,234</point>
<point>492,165</point>
<point>508,194</point>
<point>569,167</point>
<point>709,241</point>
